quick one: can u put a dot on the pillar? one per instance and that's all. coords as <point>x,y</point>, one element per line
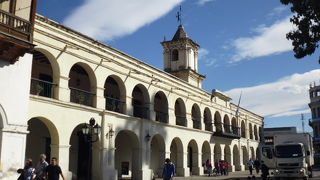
<point>100,101</point>
<point>171,116</point>
<point>186,169</point>
<point>62,90</point>
<point>62,153</point>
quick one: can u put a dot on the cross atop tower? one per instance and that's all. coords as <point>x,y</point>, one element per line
<point>179,15</point>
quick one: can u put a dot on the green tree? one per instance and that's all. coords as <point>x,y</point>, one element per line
<point>305,38</point>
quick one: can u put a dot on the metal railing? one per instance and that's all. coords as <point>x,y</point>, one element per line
<point>218,127</point>
<point>81,96</point>
<point>115,105</point>
<point>196,123</point>
<point>208,126</point>
<point>181,120</point>
<point>227,128</point>
<point>14,22</point>
<point>161,116</point>
<point>141,111</point>
<point>42,88</point>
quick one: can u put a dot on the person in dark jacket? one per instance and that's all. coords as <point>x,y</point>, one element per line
<point>169,170</point>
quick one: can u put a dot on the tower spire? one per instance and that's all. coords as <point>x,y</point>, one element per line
<point>179,16</point>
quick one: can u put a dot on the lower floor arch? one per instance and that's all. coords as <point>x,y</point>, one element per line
<point>176,155</point>
<point>227,155</point>
<point>127,155</point>
<point>41,138</point>
<point>245,157</point>
<point>157,155</point>
<point>193,160</point>
<point>236,158</point>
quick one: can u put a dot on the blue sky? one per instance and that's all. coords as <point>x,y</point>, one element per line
<point>243,46</point>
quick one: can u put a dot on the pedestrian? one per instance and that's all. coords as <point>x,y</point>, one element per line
<point>209,167</point>
<point>28,170</point>
<point>257,165</point>
<point>264,171</point>
<point>217,167</point>
<point>40,170</point>
<point>225,167</point>
<point>169,170</point>
<point>250,165</point>
<point>53,170</point>
<point>221,167</point>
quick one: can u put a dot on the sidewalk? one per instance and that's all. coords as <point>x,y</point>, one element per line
<point>232,176</point>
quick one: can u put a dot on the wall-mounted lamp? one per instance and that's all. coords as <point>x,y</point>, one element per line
<point>110,133</point>
<point>148,137</point>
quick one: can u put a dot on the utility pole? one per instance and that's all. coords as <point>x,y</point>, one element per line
<point>302,119</point>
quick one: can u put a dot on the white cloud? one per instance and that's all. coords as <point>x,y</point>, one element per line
<point>284,97</point>
<point>106,20</point>
<point>270,40</point>
<point>278,10</point>
<point>203,56</point>
<point>202,2</point>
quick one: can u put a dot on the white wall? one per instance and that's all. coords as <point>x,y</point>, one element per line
<point>14,97</point>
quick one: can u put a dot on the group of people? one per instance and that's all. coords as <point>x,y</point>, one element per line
<point>43,170</point>
<point>257,165</point>
<point>220,167</point>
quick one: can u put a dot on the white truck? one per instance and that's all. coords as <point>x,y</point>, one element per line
<point>289,155</point>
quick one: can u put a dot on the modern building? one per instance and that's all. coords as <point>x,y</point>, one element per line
<point>146,114</point>
<point>314,122</point>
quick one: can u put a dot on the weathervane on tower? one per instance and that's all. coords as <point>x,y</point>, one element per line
<point>179,15</point>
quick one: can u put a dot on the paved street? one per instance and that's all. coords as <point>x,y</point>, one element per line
<point>233,176</point>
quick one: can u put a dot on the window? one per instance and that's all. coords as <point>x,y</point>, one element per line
<point>175,55</point>
<point>313,113</point>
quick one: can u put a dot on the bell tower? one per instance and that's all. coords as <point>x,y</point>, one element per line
<point>181,58</point>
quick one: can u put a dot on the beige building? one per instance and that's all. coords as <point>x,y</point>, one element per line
<point>146,114</point>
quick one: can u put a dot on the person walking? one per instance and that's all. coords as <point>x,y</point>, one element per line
<point>53,170</point>
<point>169,170</point>
<point>257,165</point>
<point>250,165</point>
<point>40,170</point>
<point>27,172</point>
<point>217,167</point>
<point>209,167</point>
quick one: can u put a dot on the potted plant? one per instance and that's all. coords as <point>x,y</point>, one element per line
<point>39,89</point>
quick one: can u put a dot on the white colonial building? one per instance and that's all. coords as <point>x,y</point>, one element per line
<point>146,114</point>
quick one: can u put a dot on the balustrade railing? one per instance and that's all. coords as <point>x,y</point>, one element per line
<point>218,127</point>
<point>196,123</point>
<point>116,105</point>
<point>181,120</point>
<point>41,88</point>
<point>141,111</point>
<point>229,130</point>
<point>81,96</point>
<point>14,22</point>
<point>162,117</point>
<point>208,126</point>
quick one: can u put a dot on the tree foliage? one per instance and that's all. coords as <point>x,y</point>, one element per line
<point>306,36</point>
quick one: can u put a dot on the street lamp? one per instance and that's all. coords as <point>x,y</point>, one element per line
<point>91,133</point>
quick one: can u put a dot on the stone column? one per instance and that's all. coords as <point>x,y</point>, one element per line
<point>100,101</point>
<point>186,169</point>
<point>129,105</point>
<point>152,113</point>
<point>189,120</point>
<point>199,169</point>
<point>62,91</point>
<point>62,153</point>
<point>242,165</point>
<point>222,151</point>
<point>171,116</point>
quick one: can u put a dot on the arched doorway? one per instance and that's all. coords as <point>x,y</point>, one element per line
<point>42,76</point>
<point>243,130</point>
<point>217,122</point>
<point>42,136</point>
<point>206,152</point>
<point>140,102</point>
<point>226,124</point>
<point>180,112</point>
<point>127,154</point>
<point>253,155</point>
<point>207,118</point>
<point>80,84</point>
<point>245,156</point>
<point>193,160</point>
<point>250,131</point>
<point>115,94</point>
<point>227,155</point>
<point>255,133</point>
<point>79,154</point>
<point>217,153</point>
<point>196,116</point>
<point>236,158</point>
<point>235,128</point>
<point>157,154</point>
<point>161,107</point>
<point>176,155</point>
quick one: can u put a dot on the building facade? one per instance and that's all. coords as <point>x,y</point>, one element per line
<point>314,122</point>
<point>146,114</point>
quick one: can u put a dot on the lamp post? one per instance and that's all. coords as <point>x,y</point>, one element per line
<point>91,133</point>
